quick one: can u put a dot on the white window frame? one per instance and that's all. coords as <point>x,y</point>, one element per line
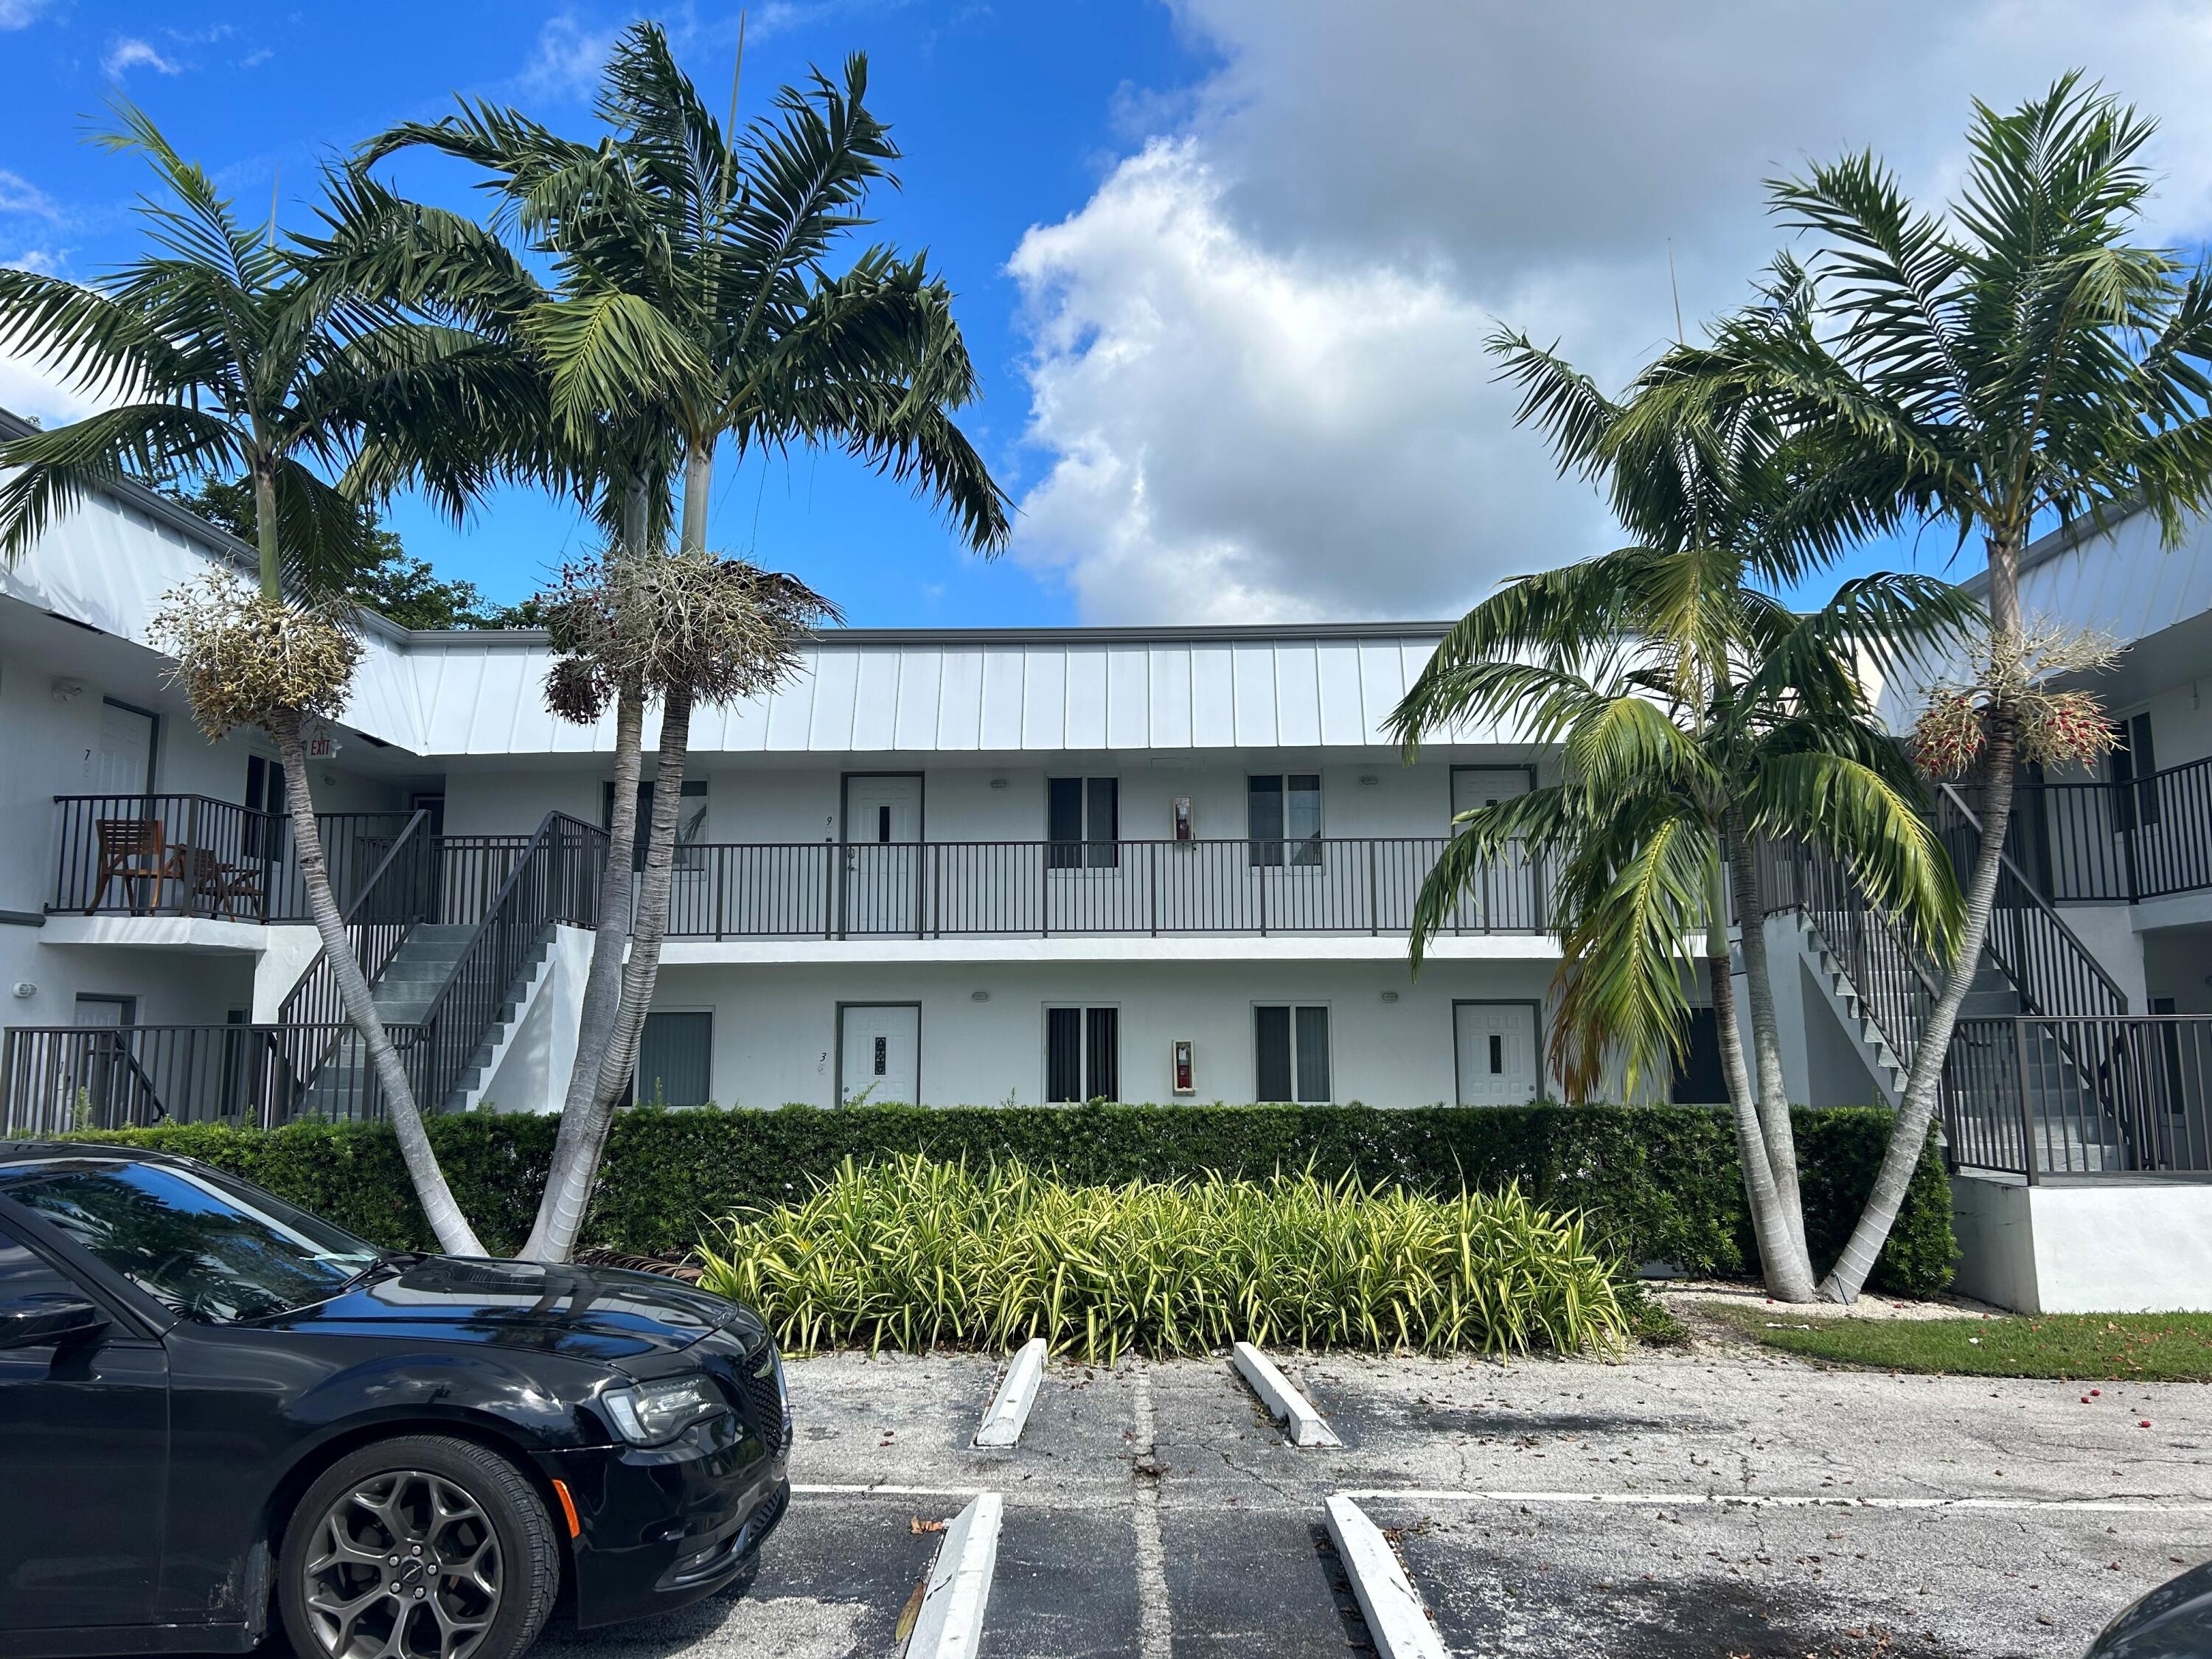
<point>1294,1004</point>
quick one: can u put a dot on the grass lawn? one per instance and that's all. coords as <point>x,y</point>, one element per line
<point>2133,1347</point>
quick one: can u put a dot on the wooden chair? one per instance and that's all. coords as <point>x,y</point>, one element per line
<point>130,850</point>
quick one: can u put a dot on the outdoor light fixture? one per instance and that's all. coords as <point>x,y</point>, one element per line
<point>979,996</point>
<point>998,783</point>
<point>67,690</point>
<point>1367,779</point>
<point>1390,996</point>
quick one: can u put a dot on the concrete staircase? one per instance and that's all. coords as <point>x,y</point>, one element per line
<point>2078,1141</point>
<point>403,994</point>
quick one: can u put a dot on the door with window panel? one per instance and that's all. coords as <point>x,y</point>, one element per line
<point>879,1053</point>
<point>883,854</point>
<point>1502,894</point>
<point>1496,1053</point>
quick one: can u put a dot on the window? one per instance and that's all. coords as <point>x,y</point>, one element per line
<point>2134,762</point>
<point>24,1277</point>
<point>1284,813</point>
<point>675,1059</point>
<point>1083,820</point>
<point>1290,1053</point>
<point>690,823</point>
<point>209,1249</point>
<point>1082,1053</point>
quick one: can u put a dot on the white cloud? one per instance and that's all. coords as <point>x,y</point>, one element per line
<point>29,383</point>
<point>21,14</point>
<point>129,53</point>
<point>1257,379</point>
<point>19,195</point>
<point>567,57</point>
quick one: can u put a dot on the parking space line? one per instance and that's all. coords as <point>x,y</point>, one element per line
<point>1396,1621</point>
<point>884,1489</point>
<point>1010,1409</point>
<point>1777,1500</point>
<point>1154,1617</point>
<point>1306,1426</point>
<point>950,1623</point>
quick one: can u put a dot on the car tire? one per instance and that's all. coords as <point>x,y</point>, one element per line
<point>441,1540</point>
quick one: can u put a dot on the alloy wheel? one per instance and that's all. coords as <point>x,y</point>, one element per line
<point>406,1565</point>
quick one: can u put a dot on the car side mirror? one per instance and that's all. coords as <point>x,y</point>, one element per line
<point>35,1321</point>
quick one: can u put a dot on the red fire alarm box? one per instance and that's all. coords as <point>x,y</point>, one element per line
<point>1185,1067</point>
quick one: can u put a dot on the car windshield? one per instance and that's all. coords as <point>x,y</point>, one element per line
<point>209,1249</point>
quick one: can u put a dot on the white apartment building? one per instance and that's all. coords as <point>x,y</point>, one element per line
<point>986,867</point>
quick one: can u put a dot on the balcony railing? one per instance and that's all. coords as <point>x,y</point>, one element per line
<point>954,890</point>
<point>2086,1095</point>
<point>192,855</point>
<point>61,1080</point>
<point>2087,842</point>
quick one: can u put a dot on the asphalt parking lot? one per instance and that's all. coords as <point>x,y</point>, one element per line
<point>1721,1503</point>
<point>1714,1504</point>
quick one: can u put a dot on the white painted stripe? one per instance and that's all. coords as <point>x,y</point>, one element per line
<point>1002,1423</point>
<point>1306,1426</point>
<point>883,1489</point>
<point>950,1623</point>
<point>1777,1500</point>
<point>1395,1618</point>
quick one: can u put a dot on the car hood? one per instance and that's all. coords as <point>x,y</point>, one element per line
<point>601,1314</point>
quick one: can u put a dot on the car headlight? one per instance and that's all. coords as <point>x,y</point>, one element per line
<point>653,1413</point>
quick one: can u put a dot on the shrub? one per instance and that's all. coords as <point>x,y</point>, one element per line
<point>911,1253</point>
<point>1652,1184</point>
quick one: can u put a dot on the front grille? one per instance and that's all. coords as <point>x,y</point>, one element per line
<point>763,1403</point>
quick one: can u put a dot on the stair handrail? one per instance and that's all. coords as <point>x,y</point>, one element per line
<point>2013,878</point>
<point>1865,941</point>
<point>493,952</point>
<point>309,982</point>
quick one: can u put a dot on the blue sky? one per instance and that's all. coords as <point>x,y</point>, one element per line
<point>1226,266</point>
<point>1007,116</point>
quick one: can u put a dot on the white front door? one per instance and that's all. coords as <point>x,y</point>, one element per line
<point>881,1048</point>
<point>123,764</point>
<point>883,857</point>
<point>1496,1045</point>
<point>1503,894</point>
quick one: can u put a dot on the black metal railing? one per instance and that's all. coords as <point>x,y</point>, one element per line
<point>2039,1096</point>
<point>401,892</point>
<point>193,855</point>
<point>944,890</point>
<point>2112,842</point>
<point>2053,971</point>
<point>554,881</point>
<point>1895,982</point>
<point>63,1080</point>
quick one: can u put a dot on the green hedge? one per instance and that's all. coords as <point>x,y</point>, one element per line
<point>1658,1184</point>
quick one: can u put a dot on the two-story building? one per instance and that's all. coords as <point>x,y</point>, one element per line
<point>984,867</point>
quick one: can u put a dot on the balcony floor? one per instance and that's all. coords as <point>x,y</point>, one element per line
<point>1115,947</point>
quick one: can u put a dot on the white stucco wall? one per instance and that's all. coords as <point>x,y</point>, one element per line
<point>2121,1247</point>
<point>775,1026</point>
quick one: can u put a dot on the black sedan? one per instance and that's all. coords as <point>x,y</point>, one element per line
<point>212,1403</point>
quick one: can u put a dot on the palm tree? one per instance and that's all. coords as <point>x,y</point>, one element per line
<point>235,365</point>
<point>681,243</point>
<point>1696,717</point>
<point>2015,360</point>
